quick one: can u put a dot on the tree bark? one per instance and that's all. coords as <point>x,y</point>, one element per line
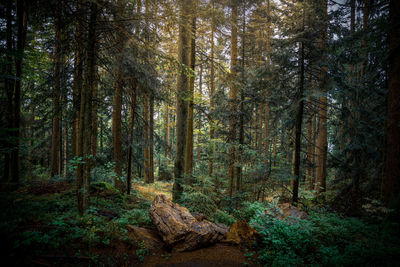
<point>84,147</point>
<point>233,99</point>
<point>266,114</point>
<point>22,19</point>
<point>9,84</point>
<point>299,120</point>
<point>94,116</point>
<point>55,135</point>
<point>151,141</point>
<point>212,74</point>
<point>181,94</point>
<point>78,72</point>
<point>189,130</point>
<point>391,185</point>
<point>199,121</point>
<point>116,130</point>
<point>322,142</point>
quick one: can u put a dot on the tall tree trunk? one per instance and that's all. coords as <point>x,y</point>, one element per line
<point>55,135</point>
<point>22,19</point>
<point>322,142</point>
<point>199,122</point>
<point>130,144</point>
<point>9,84</point>
<point>241,119</point>
<point>151,140</point>
<point>299,120</point>
<point>146,160</point>
<point>233,99</point>
<point>391,184</point>
<point>94,116</point>
<point>167,128</point>
<point>117,100</point>
<point>309,146</point>
<point>84,147</point>
<point>132,104</point>
<point>212,73</point>
<point>189,129</point>
<point>116,130</point>
<point>181,95</point>
<point>310,133</point>
<point>78,72</point>
<point>266,115</point>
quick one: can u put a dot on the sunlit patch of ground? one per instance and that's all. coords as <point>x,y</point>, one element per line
<point>149,191</point>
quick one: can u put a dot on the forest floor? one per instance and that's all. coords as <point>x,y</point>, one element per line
<point>40,224</point>
<point>41,228</point>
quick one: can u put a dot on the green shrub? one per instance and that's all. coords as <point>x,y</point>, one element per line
<point>283,243</point>
<point>198,202</point>
<point>136,217</point>
<point>326,239</point>
<point>221,216</point>
<point>248,210</point>
<point>105,190</point>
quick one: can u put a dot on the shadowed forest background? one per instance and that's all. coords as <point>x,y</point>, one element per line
<point>277,118</point>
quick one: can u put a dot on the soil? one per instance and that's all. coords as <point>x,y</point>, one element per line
<point>216,255</point>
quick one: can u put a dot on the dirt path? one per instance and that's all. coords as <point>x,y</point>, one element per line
<point>217,255</point>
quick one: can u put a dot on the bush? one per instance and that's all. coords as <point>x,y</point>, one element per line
<point>198,202</point>
<point>136,217</point>
<point>249,210</point>
<point>221,216</point>
<point>283,243</point>
<point>326,239</point>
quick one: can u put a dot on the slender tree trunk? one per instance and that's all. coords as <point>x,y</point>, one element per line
<point>391,184</point>
<point>84,138</point>
<point>132,104</point>
<point>241,120</point>
<point>199,124</point>
<point>151,141</point>
<point>189,130</point>
<point>146,161</point>
<point>22,19</point>
<point>55,135</point>
<point>309,147</point>
<point>322,142</point>
<point>94,116</point>
<point>181,94</point>
<point>130,148</point>
<point>233,99</point>
<point>266,115</point>
<point>78,71</point>
<point>212,73</point>
<point>116,130</point>
<point>167,128</point>
<point>299,120</point>
<point>9,84</point>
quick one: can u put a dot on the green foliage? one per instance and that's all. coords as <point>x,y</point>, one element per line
<point>284,244</point>
<point>142,251</point>
<point>105,189</point>
<point>221,216</point>
<point>198,202</point>
<point>135,217</point>
<point>326,239</point>
<point>249,209</point>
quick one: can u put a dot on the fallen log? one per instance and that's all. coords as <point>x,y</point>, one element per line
<point>180,229</point>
